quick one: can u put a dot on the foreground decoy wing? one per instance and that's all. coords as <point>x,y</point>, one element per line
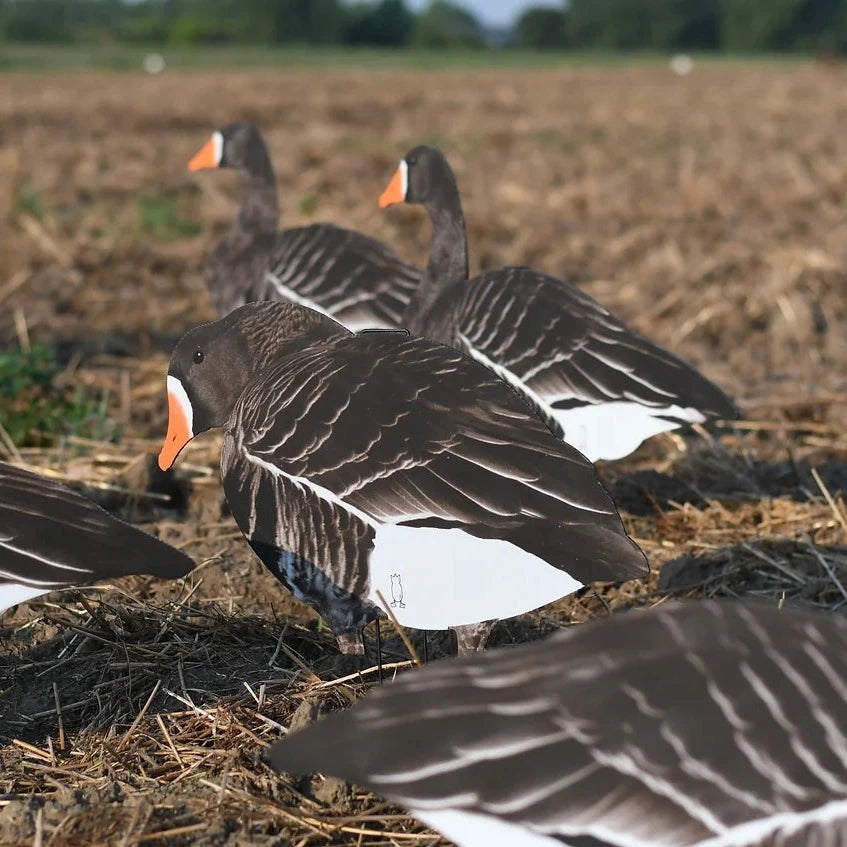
<point>385,458</point>
<point>695,724</point>
<point>51,537</point>
<point>605,387</point>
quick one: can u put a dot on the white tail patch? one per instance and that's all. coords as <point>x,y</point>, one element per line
<point>12,593</point>
<point>436,578</point>
<point>613,430</point>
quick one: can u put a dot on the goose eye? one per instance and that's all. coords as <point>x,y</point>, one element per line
<point>412,160</point>
<point>198,356</point>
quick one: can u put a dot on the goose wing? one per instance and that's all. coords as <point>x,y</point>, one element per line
<point>342,273</point>
<point>708,723</point>
<point>404,431</point>
<point>52,537</point>
<point>582,367</point>
<point>382,466</point>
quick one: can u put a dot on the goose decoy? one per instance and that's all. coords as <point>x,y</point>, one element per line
<point>360,465</point>
<point>699,723</point>
<point>603,387</point>
<point>51,538</point>
<point>339,272</point>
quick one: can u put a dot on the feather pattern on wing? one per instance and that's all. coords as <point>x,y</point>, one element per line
<point>564,346</point>
<point>52,537</point>
<point>710,723</point>
<point>342,273</point>
<point>407,431</point>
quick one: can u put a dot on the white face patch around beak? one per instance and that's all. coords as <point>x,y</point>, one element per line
<point>218,147</point>
<point>404,177</point>
<point>179,396</point>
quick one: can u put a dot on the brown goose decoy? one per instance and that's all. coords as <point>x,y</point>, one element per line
<point>383,463</point>
<point>712,724</point>
<point>339,272</point>
<point>51,538</point>
<point>603,387</point>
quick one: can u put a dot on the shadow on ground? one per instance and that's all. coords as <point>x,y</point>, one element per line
<point>104,665</point>
<point>797,573</point>
<point>720,475</point>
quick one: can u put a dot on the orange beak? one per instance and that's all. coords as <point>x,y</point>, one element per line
<point>179,426</point>
<point>205,157</point>
<point>396,191</point>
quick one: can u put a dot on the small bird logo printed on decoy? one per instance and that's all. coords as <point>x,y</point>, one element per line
<point>397,592</point>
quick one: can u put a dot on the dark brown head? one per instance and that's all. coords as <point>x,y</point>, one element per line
<point>423,176</point>
<point>212,364</point>
<point>237,145</point>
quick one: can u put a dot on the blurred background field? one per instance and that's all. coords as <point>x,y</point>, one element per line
<point>707,209</point>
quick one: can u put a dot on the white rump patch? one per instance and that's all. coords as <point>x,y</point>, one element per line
<point>613,430</point>
<point>471,829</point>
<point>436,578</point>
<point>12,593</point>
<point>218,146</point>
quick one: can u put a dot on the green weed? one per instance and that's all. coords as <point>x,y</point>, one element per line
<point>35,410</point>
<point>159,217</point>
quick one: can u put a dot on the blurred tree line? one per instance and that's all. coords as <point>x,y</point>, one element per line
<point>732,25</point>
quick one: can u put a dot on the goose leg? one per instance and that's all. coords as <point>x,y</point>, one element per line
<point>379,650</point>
<point>426,648</point>
<point>471,638</point>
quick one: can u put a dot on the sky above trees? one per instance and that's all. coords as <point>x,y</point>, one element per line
<point>499,13</point>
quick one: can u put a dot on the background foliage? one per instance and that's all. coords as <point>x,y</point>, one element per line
<point>732,25</point>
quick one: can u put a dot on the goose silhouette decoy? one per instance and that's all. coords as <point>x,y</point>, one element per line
<point>52,537</point>
<point>718,724</point>
<point>360,465</point>
<point>603,387</point>
<point>339,272</point>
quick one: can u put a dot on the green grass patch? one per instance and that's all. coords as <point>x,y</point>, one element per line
<point>35,410</point>
<point>308,204</point>
<point>160,218</point>
<point>29,202</point>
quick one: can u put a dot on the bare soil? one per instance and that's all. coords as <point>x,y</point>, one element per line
<point>709,211</point>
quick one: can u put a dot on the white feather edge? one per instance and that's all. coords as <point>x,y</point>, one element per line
<point>477,829</point>
<point>353,323</point>
<point>437,578</point>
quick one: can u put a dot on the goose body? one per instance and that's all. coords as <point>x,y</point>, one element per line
<point>51,538</point>
<point>711,724</point>
<point>339,272</point>
<point>603,387</point>
<point>363,468</point>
